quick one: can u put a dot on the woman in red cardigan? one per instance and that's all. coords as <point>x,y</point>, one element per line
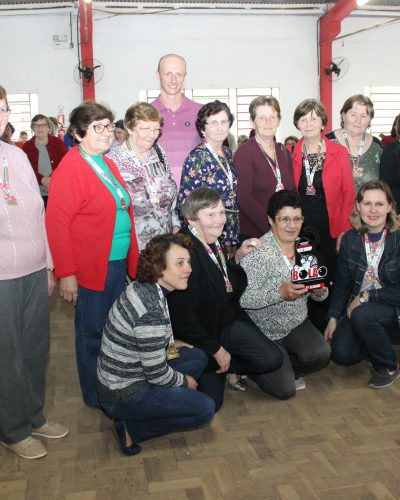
<point>324,180</point>
<point>91,234</point>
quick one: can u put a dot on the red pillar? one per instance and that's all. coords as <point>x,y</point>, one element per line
<point>86,40</point>
<point>329,28</point>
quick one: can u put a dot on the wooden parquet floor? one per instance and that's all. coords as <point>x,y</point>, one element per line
<point>337,439</point>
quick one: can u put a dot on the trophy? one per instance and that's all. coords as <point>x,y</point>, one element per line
<point>306,270</point>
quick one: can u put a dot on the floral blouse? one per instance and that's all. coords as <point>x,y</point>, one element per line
<point>201,169</point>
<point>152,190</point>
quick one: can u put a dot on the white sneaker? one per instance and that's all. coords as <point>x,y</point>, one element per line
<point>300,384</point>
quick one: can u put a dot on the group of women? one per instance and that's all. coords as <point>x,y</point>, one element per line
<point>223,282</point>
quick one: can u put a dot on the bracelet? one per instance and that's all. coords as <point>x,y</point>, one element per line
<point>51,269</point>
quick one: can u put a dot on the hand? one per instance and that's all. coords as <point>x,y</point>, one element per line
<point>338,241</point>
<point>330,329</point>
<point>181,343</point>
<point>291,291</point>
<point>45,181</point>
<point>51,282</point>
<point>223,358</point>
<point>69,289</point>
<point>319,292</point>
<point>192,384</point>
<point>247,247</point>
<point>175,229</point>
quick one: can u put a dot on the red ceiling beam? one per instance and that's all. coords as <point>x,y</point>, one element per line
<point>86,36</point>
<point>329,28</point>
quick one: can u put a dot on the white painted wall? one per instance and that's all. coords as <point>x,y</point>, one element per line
<point>222,50</point>
<point>373,56</point>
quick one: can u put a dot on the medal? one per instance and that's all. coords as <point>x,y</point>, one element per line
<point>279,187</point>
<point>358,171</point>
<point>172,352</point>
<point>310,191</point>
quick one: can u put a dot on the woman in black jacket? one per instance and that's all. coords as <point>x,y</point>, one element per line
<point>389,170</point>
<point>365,303</point>
<point>207,314</point>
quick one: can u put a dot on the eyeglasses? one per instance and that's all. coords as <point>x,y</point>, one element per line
<point>215,124</point>
<point>5,111</point>
<point>40,125</point>
<point>285,220</point>
<point>146,130</point>
<point>99,127</point>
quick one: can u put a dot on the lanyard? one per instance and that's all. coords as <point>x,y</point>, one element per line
<point>275,168</point>
<point>310,172</point>
<point>227,171</point>
<point>5,183</point>
<point>103,175</point>
<point>374,255</point>
<point>221,263</point>
<point>289,262</point>
<point>166,310</point>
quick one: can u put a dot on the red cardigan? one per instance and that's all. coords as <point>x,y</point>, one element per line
<point>56,149</point>
<point>337,179</point>
<point>80,220</point>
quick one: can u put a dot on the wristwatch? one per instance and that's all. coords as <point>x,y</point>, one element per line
<point>362,299</point>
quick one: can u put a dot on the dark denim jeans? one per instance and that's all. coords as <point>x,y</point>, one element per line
<point>161,409</point>
<point>91,312</point>
<point>367,334</point>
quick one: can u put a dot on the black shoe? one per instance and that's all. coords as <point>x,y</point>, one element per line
<point>384,378</point>
<point>134,448</point>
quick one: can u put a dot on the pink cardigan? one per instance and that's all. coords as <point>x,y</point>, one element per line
<point>80,220</point>
<point>337,179</point>
<point>23,242</point>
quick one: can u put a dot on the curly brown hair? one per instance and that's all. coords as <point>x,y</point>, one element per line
<point>153,258</point>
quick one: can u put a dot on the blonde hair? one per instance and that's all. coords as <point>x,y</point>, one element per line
<point>392,219</point>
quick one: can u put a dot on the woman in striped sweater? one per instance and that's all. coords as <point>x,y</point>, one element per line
<point>146,380</point>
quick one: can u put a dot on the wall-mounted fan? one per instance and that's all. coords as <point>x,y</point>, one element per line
<point>87,71</point>
<point>338,68</point>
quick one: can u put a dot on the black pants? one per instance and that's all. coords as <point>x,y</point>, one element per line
<point>252,353</point>
<point>304,351</point>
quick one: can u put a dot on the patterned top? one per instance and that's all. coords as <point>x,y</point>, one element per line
<point>152,190</point>
<point>266,271</point>
<point>201,169</point>
<point>368,164</point>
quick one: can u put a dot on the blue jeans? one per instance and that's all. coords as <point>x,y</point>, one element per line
<point>161,409</point>
<point>367,334</point>
<point>91,312</point>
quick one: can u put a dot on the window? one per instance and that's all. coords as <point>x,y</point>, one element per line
<point>23,108</point>
<point>238,101</point>
<point>386,106</point>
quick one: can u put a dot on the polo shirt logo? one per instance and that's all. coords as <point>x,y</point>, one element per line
<point>187,124</point>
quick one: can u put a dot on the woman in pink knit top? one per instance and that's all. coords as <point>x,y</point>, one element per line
<point>26,279</point>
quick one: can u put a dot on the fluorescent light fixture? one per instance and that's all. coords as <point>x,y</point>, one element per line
<point>360,3</point>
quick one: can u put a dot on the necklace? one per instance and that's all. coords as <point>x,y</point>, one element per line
<point>310,190</point>
<point>103,175</point>
<point>221,263</point>
<point>5,183</point>
<point>275,168</point>
<point>357,170</point>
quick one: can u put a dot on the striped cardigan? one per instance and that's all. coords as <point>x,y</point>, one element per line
<point>132,354</point>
